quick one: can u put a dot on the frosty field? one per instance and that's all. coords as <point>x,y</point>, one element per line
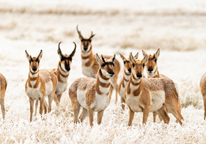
<point>178,28</point>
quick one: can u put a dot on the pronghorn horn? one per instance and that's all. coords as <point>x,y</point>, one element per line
<point>27,55</point>
<point>113,58</point>
<point>40,55</point>
<point>92,35</point>
<point>59,49</point>
<point>73,52</point>
<point>103,58</point>
<point>80,35</point>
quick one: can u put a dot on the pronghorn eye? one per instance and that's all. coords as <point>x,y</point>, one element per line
<point>155,60</point>
<point>103,65</point>
<point>133,64</point>
<point>124,62</point>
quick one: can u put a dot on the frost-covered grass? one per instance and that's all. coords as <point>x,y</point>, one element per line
<point>174,27</point>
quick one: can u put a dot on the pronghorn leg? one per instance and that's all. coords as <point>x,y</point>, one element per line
<point>45,107</point>
<point>31,101</point>
<point>145,114</point>
<point>131,117</point>
<point>123,103</point>
<point>83,115</point>
<point>76,108</point>
<point>59,97</point>
<point>54,96</point>
<point>154,116</point>
<point>175,111</point>
<point>42,105</point>
<point>115,85</point>
<point>50,98</point>
<point>99,117</point>
<point>91,113</point>
<point>204,107</point>
<point>164,114</point>
<point>2,107</point>
<point>36,106</point>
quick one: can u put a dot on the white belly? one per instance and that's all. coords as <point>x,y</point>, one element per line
<point>34,93</point>
<point>49,88</point>
<point>133,103</point>
<point>87,71</point>
<point>157,100</point>
<point>61,87</point>
<point>81,98</point>
<point>101,103</point>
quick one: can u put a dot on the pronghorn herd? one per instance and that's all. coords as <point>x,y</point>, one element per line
<point>152,93</point>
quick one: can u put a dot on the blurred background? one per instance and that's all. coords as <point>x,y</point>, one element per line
<point>170,25</point>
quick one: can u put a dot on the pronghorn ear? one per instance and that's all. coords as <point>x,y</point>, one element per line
<point>59,50</point>
<point>73,52</point>
<point>144,53</point>
<point>40,55</point>
<point>131,58</point>
<point>92,35</point>
<point>27,55</point>
<point>136,56</point>
<point>145,59</point>
<point>80,34</point>
<point>123,58</point>
<point>157,54</point>
<point>98,59</point>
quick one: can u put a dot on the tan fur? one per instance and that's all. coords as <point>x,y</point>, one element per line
<point>36,85</point>
<point>92,94</point>
<point>203,91</point>
<point>3,86</point>
<point>149,94</point>
<point>152,63</point>
<point>90,66</point>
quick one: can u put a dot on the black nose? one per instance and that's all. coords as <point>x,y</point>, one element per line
<point>67,68</point>
<point>139,75</point>
<point>85,48</point>
<point>34,68</point>
<point>111,73</point>
<point>129,70</point>
<point>150,69</point>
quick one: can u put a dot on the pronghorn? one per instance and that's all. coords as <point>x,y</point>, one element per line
<point>93,94</point>
<point>63,70</point>
<point>149,94</point>
<point>90,66</point>
<point>3,85</point>
<point>152,72</point>
<point>203,91</point>
<point>126,77</point>
<point>40,83</point>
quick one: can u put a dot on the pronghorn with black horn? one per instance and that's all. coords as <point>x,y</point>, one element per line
<point>93,94</point>
<point>40,83</point>
<point>3,86</point>
<point>150,94</point>
<point>153,72</point>
<point>63,70</point>
<point>90,66</point>
<point>125,78</point>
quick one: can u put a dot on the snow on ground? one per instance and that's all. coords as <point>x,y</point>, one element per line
<point>179,30</point>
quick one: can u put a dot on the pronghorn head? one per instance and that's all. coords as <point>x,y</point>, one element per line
<point>127,64</point>
<point>34,61</point>
<point>151,65</point>
<point>65,60</point>
<point>138,66</point>
<point>106,65</point>
<point>86,43</point>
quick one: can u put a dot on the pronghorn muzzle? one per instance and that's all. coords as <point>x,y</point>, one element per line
<point>139,75</point>
<point>150,69</point>
<point>130,70</point>
<point>34,68</point>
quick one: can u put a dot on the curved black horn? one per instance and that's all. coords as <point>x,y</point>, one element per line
<point>59,49</point>
<point>92,35</point>
<point>73,52</point>
<point>79,33</point>
<point>103,58</point>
